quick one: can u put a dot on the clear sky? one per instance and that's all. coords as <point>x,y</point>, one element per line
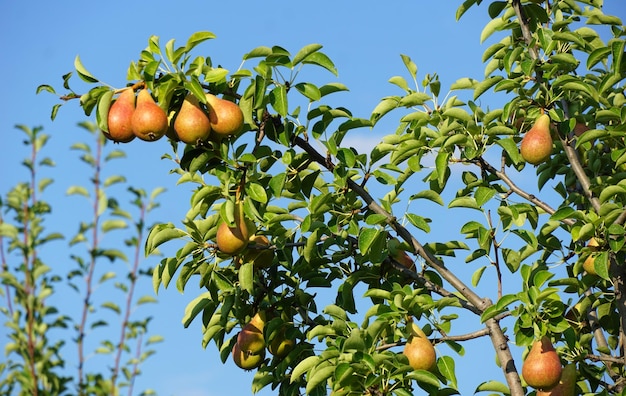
<point>39,41</point>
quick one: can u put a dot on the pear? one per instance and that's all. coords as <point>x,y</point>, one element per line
<point>588,264</point>
<point>246,360</point>
<point>397,253</point>
<point>233,239</point>
<point>419,350</point>
<point>536,145</point>
<point>259,253</point>
<point>225,116</point>
<point>542,367</point>
<point>250,338</point>
<point>119,118</point>
<point>192,123</point>
<point>566,385</point>
<point>280,345</point>
<point>149,121</point>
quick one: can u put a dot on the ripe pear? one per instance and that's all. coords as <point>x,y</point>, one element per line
<point>120,116</point>
<point>566,385</point>
<point>225,116</point>
<point>542,367</point>
<point>232,240</point>
<point>536,145</point>
<point>420,351</point>
<point>259,253</point>
<point>250,339</point>
<point>246,360</point>
<point>192,123</point>
<point>149,121</point>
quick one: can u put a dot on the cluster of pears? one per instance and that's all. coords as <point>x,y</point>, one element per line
<point>536,145</point>
<point>543,371</point>
<point>193,123</point>
<point>131,117</point>
<point>249,350</point>
<point>419,350</point>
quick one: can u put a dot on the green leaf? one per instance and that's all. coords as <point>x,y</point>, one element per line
<point>82,72</point>
<point>320,59</point>
<point>77,190</point>
<point>478,274</point>
<point>493,386</point>
<point>257,192</point>
<point>464,202</point>
<point>109,225</point>
<point>304,366</point>
<point>319,377</point>
<point>196,306</point>
<point>160,234</point>
<point>258,52</point>
<point>367,236</point>
<point>112,306</point>
<point>310,91</point>
<point>491,27</point>
<point>410,65</point>
<point>278,100</point>
<point>428,194</point>
<point>102,114</point>
<point>446,367</point>
<point>197,38</point>
<point>305,52</point>
<point>610,191</point>
<point>483,86</point>
<point>246,277</point>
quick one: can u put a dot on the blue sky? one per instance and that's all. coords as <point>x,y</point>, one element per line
<point>39,41</point>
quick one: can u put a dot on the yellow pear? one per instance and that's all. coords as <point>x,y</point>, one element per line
<point>419,350</point>
<point>536,145</point>
<point>120,116</point>
<point>225,116</point>
<point>245,359</point>
<point>588,264</point>
<point>542,367</point>
<point>233,239</point>
<point>566,385</point>
<point>192,123</point>
<point>149,121</point>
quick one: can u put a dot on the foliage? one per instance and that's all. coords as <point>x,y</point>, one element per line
<point>38,327</point>
<point>332,214</point>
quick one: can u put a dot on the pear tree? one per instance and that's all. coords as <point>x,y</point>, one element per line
<point>334,247</point>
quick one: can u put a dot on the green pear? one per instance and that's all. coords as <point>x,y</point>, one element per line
<point>542,367</point>
<point>280,346</point>
<point>226,117</point>
<point>536,145</point>
<point>259,252</point>
<point>120,116</point>
<point>149,121</point>
<point>192,124</point>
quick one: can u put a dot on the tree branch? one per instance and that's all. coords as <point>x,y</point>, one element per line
<point>498,339</point>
